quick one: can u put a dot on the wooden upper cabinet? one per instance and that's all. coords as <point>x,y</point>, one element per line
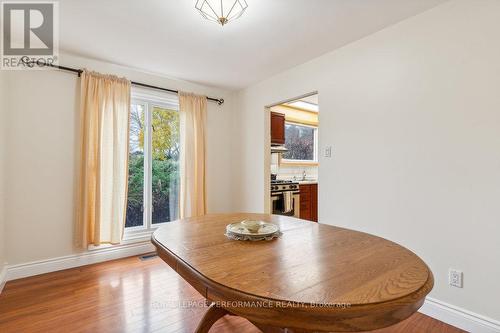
<point>277,128</point>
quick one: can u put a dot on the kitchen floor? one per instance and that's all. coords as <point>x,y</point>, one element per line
<point>128,295</point>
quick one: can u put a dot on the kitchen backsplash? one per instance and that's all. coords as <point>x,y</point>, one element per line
<point>289,171</point>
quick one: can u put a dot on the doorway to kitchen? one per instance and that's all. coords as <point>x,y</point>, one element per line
<point>294,158</point>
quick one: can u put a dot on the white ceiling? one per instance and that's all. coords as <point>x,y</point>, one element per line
<point>169,37</point>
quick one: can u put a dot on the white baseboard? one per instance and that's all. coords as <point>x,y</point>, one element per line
<point>3,277</point>
<point>86,258</point>
<point>458,317</point>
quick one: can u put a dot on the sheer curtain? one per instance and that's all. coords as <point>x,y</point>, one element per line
<point>193,109</point>
<point>104,116</point>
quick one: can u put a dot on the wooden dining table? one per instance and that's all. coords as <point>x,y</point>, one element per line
<point>313,278</point>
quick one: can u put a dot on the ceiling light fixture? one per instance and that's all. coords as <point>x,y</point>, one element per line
<point>221,11</point>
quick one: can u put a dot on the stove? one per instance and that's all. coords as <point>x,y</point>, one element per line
<point>285,197</point>
<point>283,186</point>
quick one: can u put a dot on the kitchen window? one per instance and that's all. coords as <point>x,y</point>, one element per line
<point>153,182</point>
<point>302,143</point>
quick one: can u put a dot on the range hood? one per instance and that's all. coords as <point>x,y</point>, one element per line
<point>278,149</point>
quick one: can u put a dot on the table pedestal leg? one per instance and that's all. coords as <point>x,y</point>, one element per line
<point>213,314</point>
<point>268,329</point>
<point>271,329</point>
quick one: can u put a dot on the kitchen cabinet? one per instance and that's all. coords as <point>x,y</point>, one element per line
<point>309,202</point>
<point>314,202</point>
<point>277,128</point>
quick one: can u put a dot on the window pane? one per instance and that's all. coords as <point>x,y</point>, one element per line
<point>165,164</point>
<point>135,202</point>
<point>299,140</point>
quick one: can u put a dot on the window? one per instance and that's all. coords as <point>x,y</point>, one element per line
<point>301,142</point>
<point>153,183</point>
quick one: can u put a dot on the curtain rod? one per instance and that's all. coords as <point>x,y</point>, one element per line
<point>219,101</point>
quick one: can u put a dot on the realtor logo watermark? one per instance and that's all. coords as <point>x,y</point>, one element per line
<point>30,34</point>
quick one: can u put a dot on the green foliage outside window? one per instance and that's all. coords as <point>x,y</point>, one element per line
<point>165,165</point>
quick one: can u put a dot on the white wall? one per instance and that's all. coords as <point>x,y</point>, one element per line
<point>3,147</point>
<point>413,115</point>
<point>41,159</point>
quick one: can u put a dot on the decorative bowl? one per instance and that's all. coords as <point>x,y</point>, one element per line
<point>252,225</point>
<point>261,231</point>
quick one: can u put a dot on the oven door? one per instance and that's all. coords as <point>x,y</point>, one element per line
<point>277,204</point>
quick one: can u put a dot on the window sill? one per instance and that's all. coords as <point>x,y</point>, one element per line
<point>128,239</point>
<point>137,236</point>
<point>299,163</point>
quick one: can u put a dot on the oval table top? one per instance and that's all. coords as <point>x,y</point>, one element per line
<point>350,280</point>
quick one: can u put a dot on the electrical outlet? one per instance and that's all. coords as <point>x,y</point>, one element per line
<point>456,278</point>
<point>328,151</point>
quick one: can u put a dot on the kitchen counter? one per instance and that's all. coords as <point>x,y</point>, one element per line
<point>307,182</point>
<point>302,182</point>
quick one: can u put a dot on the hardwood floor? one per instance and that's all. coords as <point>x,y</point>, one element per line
<point>128,295</point>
